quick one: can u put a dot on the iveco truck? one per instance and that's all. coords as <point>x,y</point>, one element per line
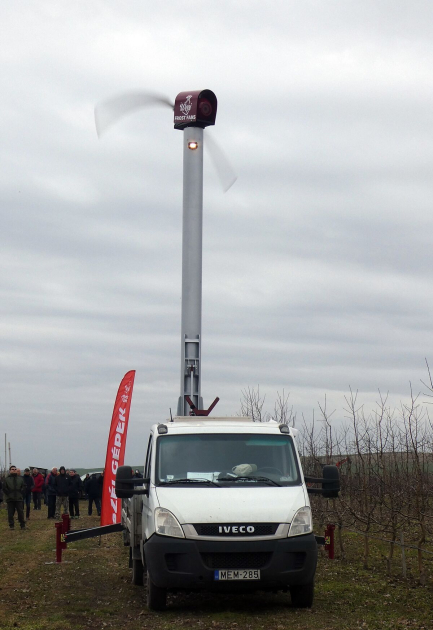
<point>224,507</point>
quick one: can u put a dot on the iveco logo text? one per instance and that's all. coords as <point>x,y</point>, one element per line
<point>236,529</point>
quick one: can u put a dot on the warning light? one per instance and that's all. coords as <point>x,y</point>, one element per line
<point>192,144</point>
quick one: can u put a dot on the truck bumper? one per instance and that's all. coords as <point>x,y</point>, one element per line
<point>176,563</point>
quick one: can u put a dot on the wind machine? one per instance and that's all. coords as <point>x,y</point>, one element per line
<point>194,110</point>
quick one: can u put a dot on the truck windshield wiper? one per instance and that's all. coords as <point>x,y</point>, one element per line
<point>270,482</point>
<point>171,482</point>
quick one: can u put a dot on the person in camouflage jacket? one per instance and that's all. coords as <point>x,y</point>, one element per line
<point>13,490</point>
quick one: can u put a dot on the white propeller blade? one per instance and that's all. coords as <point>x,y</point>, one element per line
<point>221,163</point>
<point>110,111</point>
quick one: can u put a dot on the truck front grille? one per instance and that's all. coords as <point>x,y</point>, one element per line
<point>241,560</point>
<point>225,529</point>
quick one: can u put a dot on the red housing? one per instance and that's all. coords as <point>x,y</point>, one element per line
<point>196,108</point>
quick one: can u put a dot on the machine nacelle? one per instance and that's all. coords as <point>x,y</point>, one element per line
<point>196,108</point>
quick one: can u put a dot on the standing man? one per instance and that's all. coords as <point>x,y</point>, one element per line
<point>62,488</point>
<point>101,486</point>
<point>94,488</point>
<point>38,481</point>
<point>51,490</point>
<point>85,482</point>
<point>28,483</point>
<point>13,489</point>
<point>75,485</point>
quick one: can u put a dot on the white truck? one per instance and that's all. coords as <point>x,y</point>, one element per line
<point>223,506</point>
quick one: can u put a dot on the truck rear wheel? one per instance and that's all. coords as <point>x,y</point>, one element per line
<point>156,596</point>
<point>302,595</point>
<point>137,572</point>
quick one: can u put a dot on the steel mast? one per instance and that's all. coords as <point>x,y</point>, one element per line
<point>192,112</point>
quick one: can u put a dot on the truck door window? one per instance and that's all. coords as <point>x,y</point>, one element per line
<point>148,459</point>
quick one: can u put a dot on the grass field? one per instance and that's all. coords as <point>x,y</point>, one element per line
<point>92,589</point>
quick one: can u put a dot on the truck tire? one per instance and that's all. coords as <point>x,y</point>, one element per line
<point>137,572</point>
<point>156,596</point>
<point>302,595</point>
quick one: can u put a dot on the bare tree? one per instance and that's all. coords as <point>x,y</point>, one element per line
<point>252,403</point>
<point>386,466</point>
<point>283,413</point>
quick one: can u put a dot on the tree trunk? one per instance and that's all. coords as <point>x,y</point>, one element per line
<point>391,554</point>
<point>366,551</point>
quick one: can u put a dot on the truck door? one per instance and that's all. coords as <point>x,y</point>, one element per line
<point>148,500</point>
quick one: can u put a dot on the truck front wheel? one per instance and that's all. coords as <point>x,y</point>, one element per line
<point>156,596</point>
<point>302,595</point>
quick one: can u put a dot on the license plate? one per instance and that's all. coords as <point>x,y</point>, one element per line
<point>237,574</point>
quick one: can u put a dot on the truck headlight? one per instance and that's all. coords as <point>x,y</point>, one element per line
<point>302,522</point>
<point>166,524</point>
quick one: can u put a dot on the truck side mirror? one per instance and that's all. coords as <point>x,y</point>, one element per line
<point>125,483</point>
<point>124,490</point>
<point>331,482</point>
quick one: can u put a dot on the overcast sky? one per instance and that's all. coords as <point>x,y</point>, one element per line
<point>317,265</point>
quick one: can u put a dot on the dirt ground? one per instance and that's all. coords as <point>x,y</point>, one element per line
<point>92,589</point>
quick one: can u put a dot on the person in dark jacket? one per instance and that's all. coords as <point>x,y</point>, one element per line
<point>75,485</point>
<point>85,480</point>
<point>101,487</point>
<point>94,493</point>
<point>51,490</point>
<point>29,483</point>
<point>44,489</point>
<point>62,491</point>
<point>13,489</point>
<point>38,481</point>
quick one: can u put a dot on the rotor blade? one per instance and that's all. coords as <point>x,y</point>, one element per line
<point>110,111</point>
<point>222,165</point>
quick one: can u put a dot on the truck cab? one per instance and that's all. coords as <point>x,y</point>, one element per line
<point>223,506</point>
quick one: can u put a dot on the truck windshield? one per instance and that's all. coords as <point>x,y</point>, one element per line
<point>226,460</point>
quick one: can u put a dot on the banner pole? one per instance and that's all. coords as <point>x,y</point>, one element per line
<point>111,505</point>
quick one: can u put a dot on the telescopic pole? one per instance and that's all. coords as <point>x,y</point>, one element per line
<point>192,238</point>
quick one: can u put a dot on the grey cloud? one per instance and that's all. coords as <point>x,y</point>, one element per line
<point>316,263</point>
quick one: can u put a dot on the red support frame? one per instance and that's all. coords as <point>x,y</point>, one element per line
<point>200,412</point>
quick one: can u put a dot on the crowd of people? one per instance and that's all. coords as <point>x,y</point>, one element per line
<point>60,490</point>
